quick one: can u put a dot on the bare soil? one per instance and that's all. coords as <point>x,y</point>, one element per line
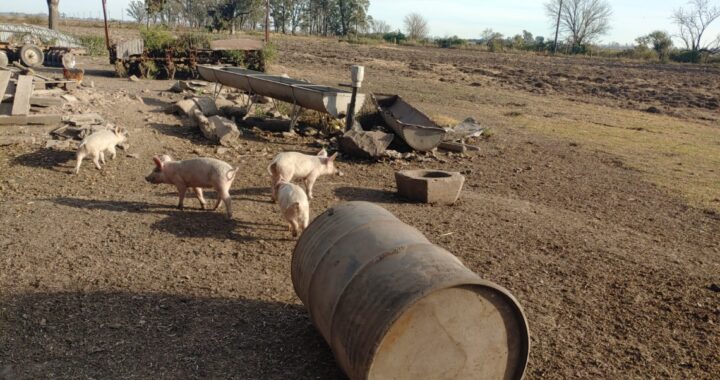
<point>102,277</point>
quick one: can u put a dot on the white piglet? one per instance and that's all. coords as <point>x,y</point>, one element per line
<point>97,144</point>
<point>290,165</point>
<point>196,174</point>
<point>294,206</point>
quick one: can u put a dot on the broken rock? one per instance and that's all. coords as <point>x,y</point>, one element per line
<point>362,144</point>
<point>217,128</point>
<point>207,106</point>
<point>57,144</point>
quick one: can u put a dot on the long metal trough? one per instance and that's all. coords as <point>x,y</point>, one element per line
<point>320,98</point>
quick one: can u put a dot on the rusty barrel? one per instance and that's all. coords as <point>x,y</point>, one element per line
<point>392,305</point>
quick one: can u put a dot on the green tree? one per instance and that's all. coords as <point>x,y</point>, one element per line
<point>659,41</point>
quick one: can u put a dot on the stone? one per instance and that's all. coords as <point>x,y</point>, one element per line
<point>207,106</point>
<point>133,78</point>
<point>393,154</point>
<point>217,129</point>
<point>362,144</point>
<point>57,144</point>
<point>430,186</point>
<point>221,150</point>
<point>186,106</point>
<point>132,155</point>
<point>69,98</point>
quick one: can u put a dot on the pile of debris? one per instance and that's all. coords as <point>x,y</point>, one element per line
<point>204,112</point>
<point>25,95</point>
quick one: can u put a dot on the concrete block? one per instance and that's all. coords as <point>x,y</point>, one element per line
<point>430,186</point>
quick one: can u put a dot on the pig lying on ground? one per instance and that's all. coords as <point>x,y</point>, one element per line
<point>97,144</point>
<point>294,206</point>
<point>289,165</point>
<point>196,174</point>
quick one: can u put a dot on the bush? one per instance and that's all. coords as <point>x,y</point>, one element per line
<point>450,42</point>
<point>496,45</point>
<point>157,38</point>
<point>395,37</point>
<point>94,45</point>
<point>688,56</point>
<point>192,41</point>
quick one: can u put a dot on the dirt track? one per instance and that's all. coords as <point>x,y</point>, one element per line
<point>102,277</point>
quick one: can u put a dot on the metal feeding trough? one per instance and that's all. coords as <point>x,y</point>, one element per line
<point>430,186</point>
<point>300,94</point>
<point>392,305</point>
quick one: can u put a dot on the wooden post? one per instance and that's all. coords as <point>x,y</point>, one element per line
<point>267,21</point>
<point>557,27</point>
<point>107,35</point>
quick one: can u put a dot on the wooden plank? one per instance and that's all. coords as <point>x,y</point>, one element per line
<point>31,119</point>
<point>4,81</point>
<point>46,101</point>
<point>54,91</point>
<point>21,104</point>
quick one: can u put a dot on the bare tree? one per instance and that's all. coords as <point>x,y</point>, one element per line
<point>53,14</point>
<point>582,20</point>
<point>136,10</point>
<point>694,22</point>
<point>379,27</point>
<point>416,26</point>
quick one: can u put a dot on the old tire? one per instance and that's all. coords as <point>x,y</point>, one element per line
<point>31,55</point>
<point>4,61</point>
<point>68,60</point>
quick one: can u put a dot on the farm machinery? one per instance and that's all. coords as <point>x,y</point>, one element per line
<point>34,46</point>
<point>133,58</point>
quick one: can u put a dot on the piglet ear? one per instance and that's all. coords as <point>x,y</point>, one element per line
<point>322,153</point>
<point>158,162</point>
<point>333,157</point>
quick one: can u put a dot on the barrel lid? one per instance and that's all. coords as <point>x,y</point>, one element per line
<point>473,331</point>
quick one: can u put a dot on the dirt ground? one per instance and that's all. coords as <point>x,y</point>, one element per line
<point>619,275</point>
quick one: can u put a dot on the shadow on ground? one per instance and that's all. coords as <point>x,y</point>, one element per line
<point>181,131</point>
<point>192,222</point>
<point>154,336</point>
<point>45,158</point>
<point>367,195</point>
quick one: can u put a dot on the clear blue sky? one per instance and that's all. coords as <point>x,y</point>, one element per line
<point>465,18</point>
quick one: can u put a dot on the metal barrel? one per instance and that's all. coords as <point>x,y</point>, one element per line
<point>392,305</point>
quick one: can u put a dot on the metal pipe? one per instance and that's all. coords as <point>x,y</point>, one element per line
<point>107,35</point>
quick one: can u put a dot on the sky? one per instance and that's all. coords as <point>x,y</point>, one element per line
<point>464,18</point>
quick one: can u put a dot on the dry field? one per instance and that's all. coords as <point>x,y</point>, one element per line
<point>602,218</point>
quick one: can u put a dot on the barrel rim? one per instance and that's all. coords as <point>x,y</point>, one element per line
<point>478,282</point>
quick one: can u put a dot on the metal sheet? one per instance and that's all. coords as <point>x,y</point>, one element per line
<point>413,126</point>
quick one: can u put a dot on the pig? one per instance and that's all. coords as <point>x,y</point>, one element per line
<point>289,165</point>
<point>196,174</point>
<point>294,206</point>
<point>97,144</point>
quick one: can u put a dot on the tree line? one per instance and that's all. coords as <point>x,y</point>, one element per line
<point>319,17</point>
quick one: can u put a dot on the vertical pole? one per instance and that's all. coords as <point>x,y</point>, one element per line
<point>267,21</point>
<point>350,118</point>
<point>557,27</point>
<point>357,74</point>
<point>107,35</point>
